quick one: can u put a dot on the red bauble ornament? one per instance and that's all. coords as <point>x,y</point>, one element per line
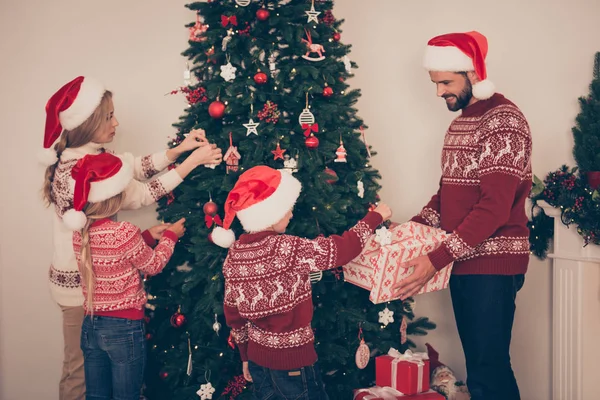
<point>216,109</point>
<point>210,208</point>
<point>260,78</point>
<point>333,174</point>
<point>312,142</point>
<point>327,91</point>
<point>164,375</point>
<point>148,336</point>
<point>262,14</point>
<point>337,36</point>
<point>178,320</point>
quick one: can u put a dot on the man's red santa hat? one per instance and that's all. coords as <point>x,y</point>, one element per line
<point>260,198</point>
<point>97,177</point>
<point>461,52</point>
<point>67,109</point>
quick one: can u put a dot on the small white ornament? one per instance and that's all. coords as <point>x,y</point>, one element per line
<point>251,127</point>
<point>383,236</point>
<point>242,3</point>
<point>206,391</point>
<point>312,14</point>
<point>361,189</point>
<point>306,117</point>
<point>189,366</point>
<point>315,276</point>
<point>226,40</point>
<point>386,316</point>
<point>216,326</point>
<point>290,164</point>
<point>187,75</point>
<point>363,355</point>
<point>228,72</point>
<point>347,64</point>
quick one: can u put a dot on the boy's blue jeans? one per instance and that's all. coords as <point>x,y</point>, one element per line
<point>303,383</point>
<point>114,353</point>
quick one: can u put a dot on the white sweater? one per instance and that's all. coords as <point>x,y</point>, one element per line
<point>64,274</point>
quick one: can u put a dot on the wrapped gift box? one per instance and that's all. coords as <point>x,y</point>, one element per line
<point>377,268</point>
<point>407,373</point>
<point>379,393</point>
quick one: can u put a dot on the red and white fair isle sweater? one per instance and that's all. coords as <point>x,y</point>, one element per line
<point>268,296</point>
<point>486,179</point>
<point>120,253</point>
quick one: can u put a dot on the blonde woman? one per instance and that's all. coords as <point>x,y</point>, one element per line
<point>80,121</point>
<point>110,256</point>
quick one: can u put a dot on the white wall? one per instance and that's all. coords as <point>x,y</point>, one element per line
<point>541,63</point>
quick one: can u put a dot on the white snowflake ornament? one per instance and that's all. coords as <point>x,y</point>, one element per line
<point>206,391</point>
<point>386,316</point>
<point>383,236</point>
<point>228,72</point>
<point>361,189</point>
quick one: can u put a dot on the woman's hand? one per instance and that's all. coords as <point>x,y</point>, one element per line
<point>196,138</point>
<point>246,370</point>
<point>157,231</point>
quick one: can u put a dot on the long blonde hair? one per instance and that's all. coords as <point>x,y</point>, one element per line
<point>94,212</point>
<point>77,137</point>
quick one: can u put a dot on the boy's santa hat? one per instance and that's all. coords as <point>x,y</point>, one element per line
<point>260,198</point>
<point>98,177</point>
<point>458,52</point>
<point>67,109</point>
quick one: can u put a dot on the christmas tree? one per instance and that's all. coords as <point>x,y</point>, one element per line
<point>268,85</point>
<point>586,131</point>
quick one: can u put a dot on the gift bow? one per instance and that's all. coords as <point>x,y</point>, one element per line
<point>213,220</point>
<point>308,128</point>
<point>379,392</point>
<point>225,20</point>
<point>416,358</point>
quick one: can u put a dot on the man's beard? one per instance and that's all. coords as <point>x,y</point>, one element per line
<point>462,100</point>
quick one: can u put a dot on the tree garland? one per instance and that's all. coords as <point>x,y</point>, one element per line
<point>566,189</point>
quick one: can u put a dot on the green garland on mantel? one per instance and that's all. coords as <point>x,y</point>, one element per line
<point>568,190</point>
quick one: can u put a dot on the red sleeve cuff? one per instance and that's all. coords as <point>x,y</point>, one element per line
<point>170,235</point>
<point>150,241</point>
<point>440,257</point>
<point>419,220</point>
<point>373,219</point>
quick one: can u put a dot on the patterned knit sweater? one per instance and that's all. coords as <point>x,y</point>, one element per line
<point>486,179</point>
<point>119,254</point>
<point>268,297</point>
<point>63,274</point>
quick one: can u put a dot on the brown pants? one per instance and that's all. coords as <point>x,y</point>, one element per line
<point>72,382</point>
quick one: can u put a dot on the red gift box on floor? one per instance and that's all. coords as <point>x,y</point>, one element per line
<point>386,393</point>
<point>377,268</point>
<point>408,372</point>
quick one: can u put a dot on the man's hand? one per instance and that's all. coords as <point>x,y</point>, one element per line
<point>247,375</point>
<point>422,273</point>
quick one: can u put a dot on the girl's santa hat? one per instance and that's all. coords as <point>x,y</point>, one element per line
<point>98,177</point>
<point>260,198</point>
<point>459,52</point>
<point>67,109</point>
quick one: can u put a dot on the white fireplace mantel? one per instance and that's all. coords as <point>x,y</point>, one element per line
<point>575,313</point>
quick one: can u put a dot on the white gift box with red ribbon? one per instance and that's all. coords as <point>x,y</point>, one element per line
<point>377,268</point>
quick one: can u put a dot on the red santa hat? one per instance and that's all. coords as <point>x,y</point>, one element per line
<point>68,108</point>
<point>457,52</point>
<point>97,177</point>
<point>260,198</point>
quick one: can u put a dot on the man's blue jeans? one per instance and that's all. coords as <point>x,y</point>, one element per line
<point>114,352</point>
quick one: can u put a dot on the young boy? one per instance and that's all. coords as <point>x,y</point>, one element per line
<point>268,298</point>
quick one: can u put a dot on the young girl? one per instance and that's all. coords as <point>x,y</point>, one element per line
<point>111,256</point>
<point>268,298</point>
<point>80,121</point>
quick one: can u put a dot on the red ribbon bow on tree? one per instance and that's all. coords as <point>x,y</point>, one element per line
<point>225,20</point>
<point>210,220</point>
<point>308,128</point>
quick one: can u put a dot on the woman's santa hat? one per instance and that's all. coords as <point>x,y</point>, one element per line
<point>67,109</point>
<point>97,177</point>
<point>459,52</point>
<point>260,198</point>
